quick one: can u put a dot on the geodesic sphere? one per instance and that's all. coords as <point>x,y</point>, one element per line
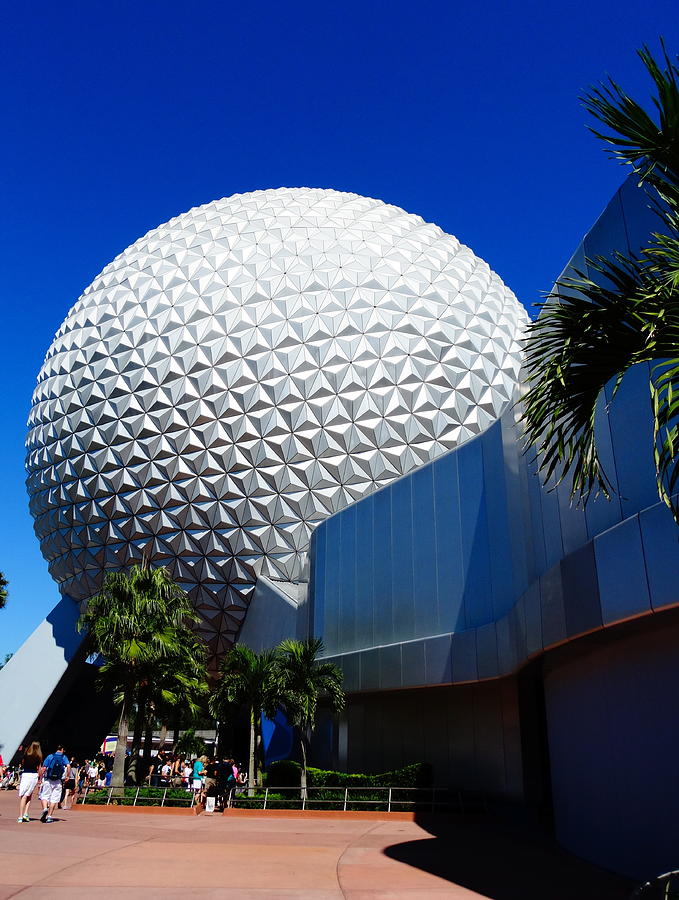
<point>247,369</point>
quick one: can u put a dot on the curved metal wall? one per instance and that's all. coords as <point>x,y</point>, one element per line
<point>465,568</point>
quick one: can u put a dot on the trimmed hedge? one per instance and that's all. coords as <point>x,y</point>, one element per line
<point>287,773</point>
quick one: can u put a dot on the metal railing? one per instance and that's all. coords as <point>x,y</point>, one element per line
<point>390,799</point>
<point>664,887</point>
<point>130,796</point>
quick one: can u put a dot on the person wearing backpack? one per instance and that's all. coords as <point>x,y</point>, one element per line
<point>55,766</point>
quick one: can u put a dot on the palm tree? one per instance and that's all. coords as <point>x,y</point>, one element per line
<point>302,682</point>
<point>135,622</point>
<point>592,330</point>
<point>189,744</point>
<point>175,685</point>
<point>180,687</point>
<point>247,679</point>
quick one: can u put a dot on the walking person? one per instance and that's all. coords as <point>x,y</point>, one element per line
<point>198,768</point>
<point>69,786</point>
<point>82,777</point>
<point>187,772</point>
<point>30,765</point>
<point>92,774</point>
<point>53,769</point>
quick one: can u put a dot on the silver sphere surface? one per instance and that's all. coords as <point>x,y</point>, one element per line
<point>247,369</point>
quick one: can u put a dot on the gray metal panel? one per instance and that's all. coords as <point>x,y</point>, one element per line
<point>370,670</point>
<point>405,612</point>
<point>552,606</point>
<point>351,669</point>
<point>580,591</point>
<point>364,569</point>
<point>333,563</point>
<point>533,617</point>
<point>573,523</point>
<point>412,658</point>
<point>600,513</point>
<point>478,603</point>
<point>425,591</point>
<point>535,534</point>
<point>448,542</point>
<point>271,618</point>
<point>438,661</point>
<point>383,617</point>
<point>550,525</point>
<point>390,667</point>
<point>632,431</point>
<point>507,658</point>
<point>28,680</point>
<point>499,524</point>
<point>623,588</point>
<point>640,219</point>
<point>347,581</point>
<point>463,652</point>
<point>486,651</point>
<point>607,232</point>
<point>317,582</point>
<point>660,538</point>
<point>521,547</point>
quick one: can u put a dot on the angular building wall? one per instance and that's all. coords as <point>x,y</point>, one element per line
<point>613,740</point>
<point>467,570</point>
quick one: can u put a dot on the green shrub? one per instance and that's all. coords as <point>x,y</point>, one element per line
<point>286,773</point>
<point>146,797</point>
<point>327,798</point>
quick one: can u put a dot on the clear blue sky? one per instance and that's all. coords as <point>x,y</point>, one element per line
<point>118,116</point>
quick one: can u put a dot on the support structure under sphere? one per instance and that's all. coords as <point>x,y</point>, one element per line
<point>246,370</point>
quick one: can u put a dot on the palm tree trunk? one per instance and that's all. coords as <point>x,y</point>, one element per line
<point>252,775</point>
<point>302,776</point>
<point>133,771</point>
<point>118,775</point>
<point>148,742</point>
<point>162,735</point>
<point>259,756</point>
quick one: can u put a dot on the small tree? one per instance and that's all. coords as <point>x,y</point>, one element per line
<point>189,744</point>
<point>302,681</point>
<point>3,590</point>
<point>176,683</point>
<point>247,679</point>
<point>137,620</point>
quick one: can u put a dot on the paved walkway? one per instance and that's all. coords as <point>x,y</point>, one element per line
<point>128,855</point>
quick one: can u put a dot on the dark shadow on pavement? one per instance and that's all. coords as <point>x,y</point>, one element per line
<point>505,861</point>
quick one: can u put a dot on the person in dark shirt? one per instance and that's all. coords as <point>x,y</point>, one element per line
<point>211,777</point>
<point>30,767</point>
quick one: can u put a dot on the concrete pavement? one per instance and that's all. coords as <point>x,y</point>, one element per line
<point>129,854</point>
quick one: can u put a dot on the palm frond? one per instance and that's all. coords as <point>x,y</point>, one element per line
<point>665,399</point>
<point>588,333</point>
<point>635,137</point>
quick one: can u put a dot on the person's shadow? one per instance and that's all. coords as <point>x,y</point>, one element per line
<point>504,861</point>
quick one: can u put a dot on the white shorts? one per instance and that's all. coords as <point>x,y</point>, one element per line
<point>197,784</point>
<point>27,783</point>
<point>50,790</point>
